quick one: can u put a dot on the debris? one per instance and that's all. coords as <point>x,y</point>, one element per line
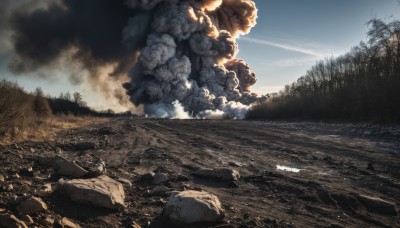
<point>101,191</point>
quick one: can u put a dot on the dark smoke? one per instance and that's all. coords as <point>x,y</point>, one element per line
<point>189,59</point>
<point>93,27</point>
<point>180,55</point>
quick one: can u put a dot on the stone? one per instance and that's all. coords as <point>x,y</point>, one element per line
<point>85,146</point>
<point>67,223</point>
<point>101,191</point>
<point>2,179</point>
<point>125,182</point>
<point>31,205</point>
<point>148,176</point>
<point>27,219</point>
<point>46,188</point>
<point>49,221</point>
<point>27,172</point>
<point>160,178</point>
<point>223,174</point>
<point>64,167</point>
<point>193,206</point>
<point>377,205</point>
<point>9,188</point>
<point>159,191</point>
<point>10,221</point>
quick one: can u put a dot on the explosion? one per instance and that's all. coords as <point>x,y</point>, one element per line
<point>189,57</point>
<point>179,55</point>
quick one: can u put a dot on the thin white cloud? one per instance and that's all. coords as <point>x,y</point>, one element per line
<point>285,46</point>
<point>294,62</point>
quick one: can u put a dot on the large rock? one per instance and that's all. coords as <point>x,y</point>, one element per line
<point>193,206</point>
<point>10,221</point>
<point>67,168</point>
<point>378,205</point>
<point>223,174</point>
<point>100,192</point>
<point>31,205</point>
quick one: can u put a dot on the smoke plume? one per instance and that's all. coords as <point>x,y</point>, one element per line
<point>179,55</point>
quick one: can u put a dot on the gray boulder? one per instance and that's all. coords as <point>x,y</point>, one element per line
<point>101,191</point>
<point>193,206</point>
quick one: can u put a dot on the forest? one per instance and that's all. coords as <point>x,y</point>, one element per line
<point>361,85</point>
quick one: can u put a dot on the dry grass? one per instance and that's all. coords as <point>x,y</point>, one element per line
<point>47,129</point>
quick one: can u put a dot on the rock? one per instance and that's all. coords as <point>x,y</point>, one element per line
<point>27,172</point>
<point>125,182</point>
<point>192,206</point>
<point>27,219</point>
<point>101,191</point>
<point>135,225</point>
<point>159,191</point>
<point>2,179</point>
<point>9,188</point>
<point>85,146</point>
<point>148,176</point>
<point>46,188</point>
<point>66,168</point>
<point>10,221</point>
<point>234,163</point>
<point>67,223</point>
<point>160,178</point>
<point>31,205</point>
<point>49,221</point>
<point>182,178</point>
<point>374,204</point>
<point>45,161</point>
<point>223,174</point>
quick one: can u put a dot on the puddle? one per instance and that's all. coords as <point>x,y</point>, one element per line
<point>289,169</point>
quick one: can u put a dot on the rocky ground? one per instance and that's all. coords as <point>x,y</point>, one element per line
<point>169,173</point>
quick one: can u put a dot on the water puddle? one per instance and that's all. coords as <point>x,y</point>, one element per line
<point>289,169</point>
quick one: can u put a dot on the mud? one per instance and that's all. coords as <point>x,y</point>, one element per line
<point>348,175</point>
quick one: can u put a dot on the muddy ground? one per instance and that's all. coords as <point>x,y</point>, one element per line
<point>341,166</point>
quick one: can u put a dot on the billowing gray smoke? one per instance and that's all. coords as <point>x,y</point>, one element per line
<point>189,58</point>
<point>179,54</point>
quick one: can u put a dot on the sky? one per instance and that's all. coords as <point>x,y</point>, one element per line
<point>290,36</point>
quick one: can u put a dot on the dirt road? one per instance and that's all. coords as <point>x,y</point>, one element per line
<point>292,174</point>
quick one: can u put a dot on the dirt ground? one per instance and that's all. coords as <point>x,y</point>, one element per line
<point>341,171</point>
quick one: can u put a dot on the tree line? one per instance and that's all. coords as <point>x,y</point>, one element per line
<point>20,110</point>
<point>363,84</point>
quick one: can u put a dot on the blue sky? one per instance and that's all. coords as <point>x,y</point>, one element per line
<point>290,36</point>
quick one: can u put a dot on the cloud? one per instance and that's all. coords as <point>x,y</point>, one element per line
<point>294,62</point>
<point>285,46</point>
